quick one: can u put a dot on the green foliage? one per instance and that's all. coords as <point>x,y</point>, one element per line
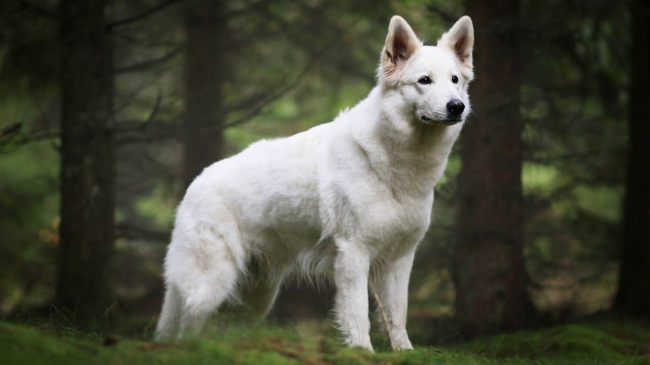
<point>601,201</point>
<point>29,205</point>
<point>603,342</point>
<point>159,207</point>
<point>596,343</point>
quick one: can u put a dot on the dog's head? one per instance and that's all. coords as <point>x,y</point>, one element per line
<point>430,82</point>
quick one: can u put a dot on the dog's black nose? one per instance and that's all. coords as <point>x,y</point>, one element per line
<point>455,107</point>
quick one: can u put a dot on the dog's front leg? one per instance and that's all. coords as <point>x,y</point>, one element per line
<point>391,285</point>
<point>351,278</point>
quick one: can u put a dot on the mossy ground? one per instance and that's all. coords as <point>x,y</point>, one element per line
<point>598,342</point>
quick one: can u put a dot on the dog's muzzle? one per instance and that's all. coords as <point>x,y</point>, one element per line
<point>450,121</point>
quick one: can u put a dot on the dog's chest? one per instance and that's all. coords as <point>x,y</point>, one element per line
<point>393,218</point>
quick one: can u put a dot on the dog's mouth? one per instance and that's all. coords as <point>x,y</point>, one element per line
<point>449,121</point>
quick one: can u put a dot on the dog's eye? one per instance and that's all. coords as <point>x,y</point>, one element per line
<point>454,79</point>
<point>424,80</point>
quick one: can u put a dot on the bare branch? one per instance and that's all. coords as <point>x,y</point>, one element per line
<point>307,45</point>
<point>169,130</point>
<point>10,129</point>
<point>38,9</point>
<point>258,109</point>
<point>445,15</point>
<point>23,140</point>
<point>132,232</point>
<point>155,109</point>
<point>242,103</point>
<point>145,65</point>
<point>137,17</point>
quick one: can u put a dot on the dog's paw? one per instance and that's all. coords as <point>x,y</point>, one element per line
<point>404,345</point>
<point>366,345</point>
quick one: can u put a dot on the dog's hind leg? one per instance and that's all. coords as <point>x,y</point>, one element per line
<point>260,297</point>
<point>261,289</point>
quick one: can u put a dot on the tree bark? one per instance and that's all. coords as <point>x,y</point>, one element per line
<point>489,268</point>
<point>84,285</point>
<point>206,69</point>
<point>633,297</point>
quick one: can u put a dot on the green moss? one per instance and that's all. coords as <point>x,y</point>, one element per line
<point>569,344</point>
<point>314,343</point>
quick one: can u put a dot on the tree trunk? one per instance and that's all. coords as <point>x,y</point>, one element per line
<point>206,69</point>
<point>489,268</point>
<point>84,287</point>
<point>633,297</point>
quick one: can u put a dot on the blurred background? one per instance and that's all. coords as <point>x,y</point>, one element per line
<point>109,109</point>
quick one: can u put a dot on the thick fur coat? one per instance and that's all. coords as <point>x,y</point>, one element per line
<point>348,200</point>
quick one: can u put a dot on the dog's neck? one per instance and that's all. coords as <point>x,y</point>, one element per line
<point>412,153</point>
<point>414,138</point>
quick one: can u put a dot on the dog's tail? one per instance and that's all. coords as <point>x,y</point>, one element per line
<point>169,321</point>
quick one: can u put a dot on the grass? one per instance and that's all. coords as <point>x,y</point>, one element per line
<point>600,342</point>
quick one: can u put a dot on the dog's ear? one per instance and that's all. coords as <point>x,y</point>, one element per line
<point>401,43</point>
<point>460,41</point>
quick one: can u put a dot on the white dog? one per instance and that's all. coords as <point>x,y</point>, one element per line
<point>350,199</point>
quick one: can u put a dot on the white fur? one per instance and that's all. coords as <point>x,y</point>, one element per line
<point>348,200</point>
